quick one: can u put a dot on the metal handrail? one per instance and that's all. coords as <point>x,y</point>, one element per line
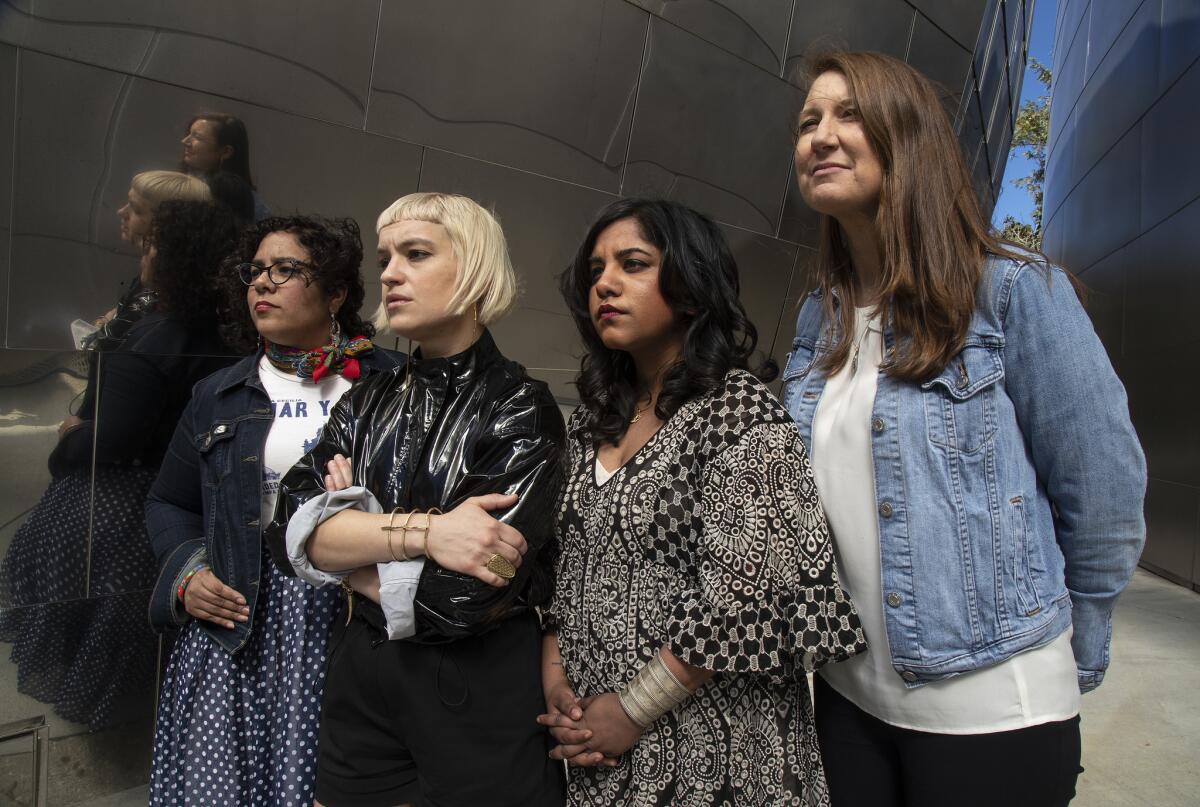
<point>35,727</point>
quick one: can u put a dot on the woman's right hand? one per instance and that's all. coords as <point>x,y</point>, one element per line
<point>206,597</point>
<point>464,539</point>
<point>339,475</point>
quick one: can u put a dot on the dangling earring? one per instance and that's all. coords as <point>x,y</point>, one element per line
<point>335,330</point>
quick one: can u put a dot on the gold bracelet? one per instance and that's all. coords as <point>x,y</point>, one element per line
<point>391,528</point>
<point>433,511</point>
<point>404,536</point>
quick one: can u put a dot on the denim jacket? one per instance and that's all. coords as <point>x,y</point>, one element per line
<point>207,499</point>
<point>1009,487</point>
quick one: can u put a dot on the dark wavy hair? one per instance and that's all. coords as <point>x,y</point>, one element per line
<point>190,239</point>
<point>334,248</point>
<point>698,279</point>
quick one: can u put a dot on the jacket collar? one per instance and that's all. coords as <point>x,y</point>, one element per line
<point>459,367</point>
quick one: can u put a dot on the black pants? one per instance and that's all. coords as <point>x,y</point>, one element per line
<point>435,725</point>
<point>868,762</point>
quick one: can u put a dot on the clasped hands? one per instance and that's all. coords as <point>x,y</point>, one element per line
<point>589,731</point>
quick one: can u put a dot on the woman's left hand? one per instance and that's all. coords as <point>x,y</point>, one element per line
<point>613,733</point>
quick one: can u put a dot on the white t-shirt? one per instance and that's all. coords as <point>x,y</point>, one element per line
<point>301,408</point>
<point>1034,687</point>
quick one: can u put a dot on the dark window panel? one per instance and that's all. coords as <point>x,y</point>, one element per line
<point>1170,159</point>
<point>1180,39</point>
<point>1102,211</point>
<point>1120,91</point>
<point>1164,284</point>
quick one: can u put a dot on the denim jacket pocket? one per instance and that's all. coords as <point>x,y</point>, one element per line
<point>1027,600</point>
<point>216,451</point>
<point>960,402</point>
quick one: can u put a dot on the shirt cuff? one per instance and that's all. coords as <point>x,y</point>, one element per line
<point>313,513</point>
<point>397,590</point>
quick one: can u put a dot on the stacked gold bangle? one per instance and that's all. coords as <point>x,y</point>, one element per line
<point>652,693</point>
<point>404,528</point>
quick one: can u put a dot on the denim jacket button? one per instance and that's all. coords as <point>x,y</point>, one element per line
<point>885,510</point>
<point>219,430</point>
<point>893,599</point>
<point>877,425</point>
<point>909,676</point>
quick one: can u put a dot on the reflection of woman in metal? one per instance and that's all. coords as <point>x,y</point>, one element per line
<point>695,582</point>
<point>214,142</point>
<point>103,466</point>
<point>447,715</point>
<point>147,191</point>
<point>973,450</point>
<point>238,707</point>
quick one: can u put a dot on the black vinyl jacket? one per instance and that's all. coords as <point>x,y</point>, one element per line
<point>433,434</point>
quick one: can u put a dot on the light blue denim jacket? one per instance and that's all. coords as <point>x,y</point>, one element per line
<point>1009,487</point>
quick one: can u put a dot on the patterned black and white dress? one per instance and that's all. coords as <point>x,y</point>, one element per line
<point>710,541</point>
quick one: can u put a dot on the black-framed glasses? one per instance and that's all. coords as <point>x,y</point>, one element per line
<point>278,273</point>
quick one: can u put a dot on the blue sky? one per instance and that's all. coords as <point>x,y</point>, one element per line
<point>1014,201</point>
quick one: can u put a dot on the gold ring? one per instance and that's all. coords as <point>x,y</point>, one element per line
<point>499,565</point>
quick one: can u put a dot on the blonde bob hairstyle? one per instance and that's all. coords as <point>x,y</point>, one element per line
<point>157,187</point>
<point>485,273</point>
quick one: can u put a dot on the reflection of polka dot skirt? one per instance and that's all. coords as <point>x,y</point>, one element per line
<point>242,729</point>
<point>91,659</point>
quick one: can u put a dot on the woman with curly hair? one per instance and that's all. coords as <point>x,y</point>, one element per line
<point>103,466</point>
<point>695,585</point>
<point>240,697</point>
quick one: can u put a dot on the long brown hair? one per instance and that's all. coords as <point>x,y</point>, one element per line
<point>932,232</point>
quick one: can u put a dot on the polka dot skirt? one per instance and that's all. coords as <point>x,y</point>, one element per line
<point>242,729</point>
<point>91,659</point>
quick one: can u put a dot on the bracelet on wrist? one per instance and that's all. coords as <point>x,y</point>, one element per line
<point>181,589</point>
<point>652,693</point>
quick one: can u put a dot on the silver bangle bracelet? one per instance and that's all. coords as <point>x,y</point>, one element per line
<point>652,693</point>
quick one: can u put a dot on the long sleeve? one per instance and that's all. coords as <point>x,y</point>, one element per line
<point>1074,415</point>
<point>519,451</point>
<point>766,597</point>
<point>173,519</point>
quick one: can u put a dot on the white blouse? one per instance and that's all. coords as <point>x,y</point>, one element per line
<point>1034,687</point>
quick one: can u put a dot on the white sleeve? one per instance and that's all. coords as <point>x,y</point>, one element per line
<point>397,589</point>
<point>312,513</point>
